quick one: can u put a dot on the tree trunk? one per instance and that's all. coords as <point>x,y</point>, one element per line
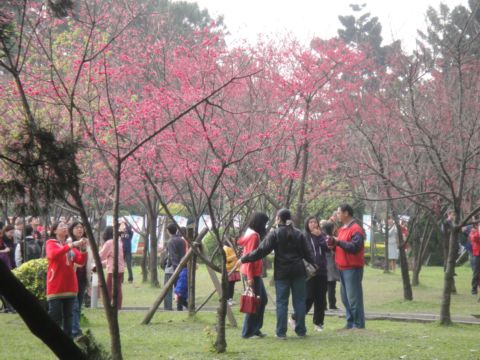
<point>416,250</point>
<point>192,274</point>
<point>152,227</point>
<point>416,276</point>
<point>385,263</point>
<point>116,345</point>
<point>35,317</point>
<point>372,238</point>
<point>420,257</point>
<point>144,263</point>
<point>407,287</point>
<point>221,341</point>
<point>446,246</point>
<point>303,180</point>
<point>448,283</point>
<point>114,328</point>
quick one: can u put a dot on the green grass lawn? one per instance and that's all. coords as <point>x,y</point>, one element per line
<point>382,292</point>
<point>172,335</point>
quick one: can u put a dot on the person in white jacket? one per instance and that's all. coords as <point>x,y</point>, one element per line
<point>76,232</point>
<point>392,244</point>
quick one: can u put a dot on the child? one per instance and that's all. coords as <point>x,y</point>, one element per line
<point>233,276</point>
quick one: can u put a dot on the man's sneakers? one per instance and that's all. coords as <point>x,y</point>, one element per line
<point>281,337</point>
<point>318,328</point>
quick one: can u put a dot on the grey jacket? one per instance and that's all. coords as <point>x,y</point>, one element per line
<point>332,272</point>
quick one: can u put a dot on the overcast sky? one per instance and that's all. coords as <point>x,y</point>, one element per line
<point>307,18</point>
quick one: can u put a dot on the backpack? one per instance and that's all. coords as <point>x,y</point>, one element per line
<point>163,259</point>
<point>34,251</point>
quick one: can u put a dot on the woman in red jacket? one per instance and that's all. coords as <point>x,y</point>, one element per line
<point>62,286</point>
<point>253,271</point>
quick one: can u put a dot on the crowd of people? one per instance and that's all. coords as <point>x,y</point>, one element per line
<point>334,247</point>
<point>70,263</point>
<point>341,238</point>
<point>336,252</point>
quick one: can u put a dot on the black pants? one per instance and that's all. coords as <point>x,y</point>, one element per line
<point>332,299</point>
<point>231,289</point>
<point>127,257</point>
<point>476,272</point>
<point>316,296</point>
<point>181,302</point>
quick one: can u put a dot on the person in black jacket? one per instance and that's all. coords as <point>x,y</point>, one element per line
<point>290,248</point>
<point>176,250</point>
<point>126,235</point>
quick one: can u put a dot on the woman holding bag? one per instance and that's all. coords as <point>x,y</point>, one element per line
<point>253,272</point>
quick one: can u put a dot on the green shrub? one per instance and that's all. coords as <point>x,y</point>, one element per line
<point>33,275</point>
<point>210,244</point>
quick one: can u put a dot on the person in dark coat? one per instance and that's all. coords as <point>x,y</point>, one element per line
<point>176,250</point>
<point>333,275</point>
<point>126,235</point>
<point>291,248</point>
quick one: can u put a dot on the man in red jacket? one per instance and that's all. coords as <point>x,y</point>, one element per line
<point>349,258</point>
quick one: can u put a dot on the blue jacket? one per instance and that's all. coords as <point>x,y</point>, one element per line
<point>127,240</point>
<point>181,287</point>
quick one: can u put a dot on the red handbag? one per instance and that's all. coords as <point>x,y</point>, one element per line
<point>249,303</point>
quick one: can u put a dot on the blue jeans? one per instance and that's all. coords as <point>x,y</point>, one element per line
<point>253,323</point>
<point>352,297</point>
<point>282,288</point>
<point>167,302</point>
<point>127,256</point>
<point>77,308</point>
<point>61,311</point>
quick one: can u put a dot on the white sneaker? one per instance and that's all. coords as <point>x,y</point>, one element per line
<point>319,328</point>
<point>292,323</point>
<point>230,302</point>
